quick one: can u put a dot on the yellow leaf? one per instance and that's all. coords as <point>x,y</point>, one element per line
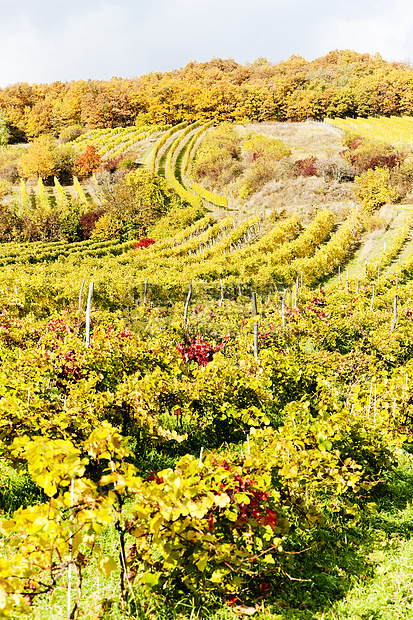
<point>107,565</point>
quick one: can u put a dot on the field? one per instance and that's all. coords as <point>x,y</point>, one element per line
<point>206,410</point>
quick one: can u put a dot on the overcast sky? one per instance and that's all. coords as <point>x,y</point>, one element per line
<point>47,40</point>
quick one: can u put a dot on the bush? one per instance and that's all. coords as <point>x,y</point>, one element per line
<point>136,202</point>
<point>88,223</point>
<point>111,165</point>
<point>262,153</point>
<point>373,189</point>
<point>402,177</point>
<point>307,167</point>
<point>143,243</point>
<point>87,163</point>
<point>257,146</point>
<point>64,157</point>
<point>5,188</point>
<point>10,224</point>
<point>217,159</point>
<point>107,228</point>
<point>69,224</point>
<point>71,133</point>
<point>10,173</point>
<point>336,169</point>
<point>365,154</point>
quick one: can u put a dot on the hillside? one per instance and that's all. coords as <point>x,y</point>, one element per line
<point>206,341</point>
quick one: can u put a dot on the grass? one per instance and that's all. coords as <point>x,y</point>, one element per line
<point>384,225</point>
<point>357,570</point>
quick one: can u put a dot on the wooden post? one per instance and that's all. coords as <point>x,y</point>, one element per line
<point>372,299</point>
<point>222,294</point>
<point>283,308</point>
<point>239,288</point>
<point>88,309</point>
<point>69,585</point>
<point>358,287</point>
<point>393,325</point>
<point>188,299</point>
<point>81,293</point>
<point>255,313</point>
<point>368,410</point>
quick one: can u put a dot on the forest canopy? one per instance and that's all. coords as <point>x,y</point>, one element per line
<point>342,83</point>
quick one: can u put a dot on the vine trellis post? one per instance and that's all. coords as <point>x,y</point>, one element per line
<point>188,299</point>
<point>255,313</point>
<point>88,311</point>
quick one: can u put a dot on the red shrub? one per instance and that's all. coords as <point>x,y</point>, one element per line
<point>143,243</point>
<point>87,163</point>
<point>88,223</point>
<point>306,167</point>
<point>198,350</point>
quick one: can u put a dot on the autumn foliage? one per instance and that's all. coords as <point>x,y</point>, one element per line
<point>342,83</point>
<point>87,163</point>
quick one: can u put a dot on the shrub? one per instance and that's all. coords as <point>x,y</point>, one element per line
<point>10,224</point>
<point>70,226</point>
<point>336,169</point>
<point>137,201</point>
<point>306,167</point>
<point>64,156</point>
<point>402,177</point>
<point>351,139</point>
<point>217,159</point>
<point>87,163</point>
<point>110,165</point>
<point>10,173</point>
<point>88,223</point>
<point>5,188</point>
<point>365,154</point>
<point>143,243</point>
<point>71,133</point>
<point>107,228</point>
<point>257,146</point>
<point>373,189</point>
<point>262,153</point>
<point>198,350</point>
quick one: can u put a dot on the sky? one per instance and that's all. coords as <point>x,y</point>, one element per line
<point>50,40</point>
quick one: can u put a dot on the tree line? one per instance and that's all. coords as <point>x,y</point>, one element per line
<point>342,83</point>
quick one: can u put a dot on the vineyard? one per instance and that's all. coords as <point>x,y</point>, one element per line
<point>395,129</point>
<point>211,418</point>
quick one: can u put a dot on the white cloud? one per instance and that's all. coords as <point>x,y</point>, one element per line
<point>50,40</point>
<point>386,29</point>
